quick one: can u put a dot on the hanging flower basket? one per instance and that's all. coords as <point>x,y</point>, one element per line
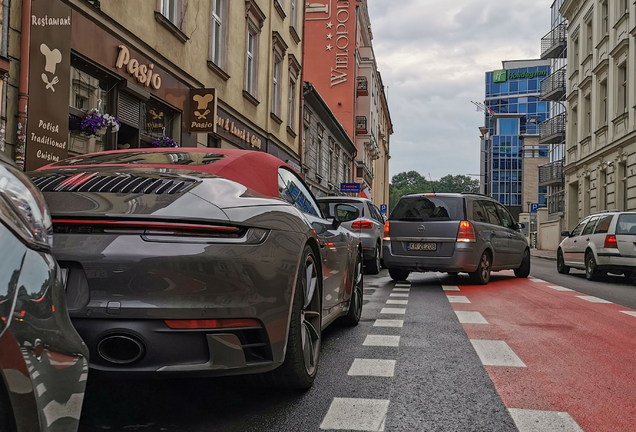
<point>165,141</point>
<point>96,124</point>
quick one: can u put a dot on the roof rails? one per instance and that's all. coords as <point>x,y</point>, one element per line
<point>605,211</point>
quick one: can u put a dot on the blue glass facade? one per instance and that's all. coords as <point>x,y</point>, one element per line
<point>512,96</point>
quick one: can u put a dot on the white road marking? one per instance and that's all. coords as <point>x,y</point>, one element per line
<point>372,367</point>
<point>35,374</point>
<point>458,299</point>
<point>398,302</point>
<point>17,381</point>
<point>356,414</point>
<point>559,288</point>
<point>528,420</point>
<point>403,285</point>
<point>41,389</point>
<point>401,290</point>
<point>466,317</point>
<point>632,313</point>
<point>72,408</point>
<point>328,297</point>
<point>382,340</point>
<point>333,272</point>
<point>394,311</point>
<point>450,288</point>
<point>83,377</point>
<point>399,295</point>
<point>496,353</point>
<point>593,299</point>
<point>388,323</point>
<point>537,280</point>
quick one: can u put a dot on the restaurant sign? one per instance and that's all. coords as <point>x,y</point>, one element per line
<point>237,133</point>
<point>49,83</point>
<point>202,110</point>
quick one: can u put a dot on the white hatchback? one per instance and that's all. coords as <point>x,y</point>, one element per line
<point>600,243</point>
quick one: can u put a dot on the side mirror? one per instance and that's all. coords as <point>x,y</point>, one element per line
<point>344,213</point>
<point>565,233</point>
<point>520,226</point>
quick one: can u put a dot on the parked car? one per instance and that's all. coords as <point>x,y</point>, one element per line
<point>453,233</point>
<point>200,261</point>
<point>369,226</point>
<point>600,243</point>
<point>43,361</point>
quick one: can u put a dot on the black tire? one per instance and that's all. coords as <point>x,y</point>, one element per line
<point>373,265</point>
<point>591,271</point>
<point>524,269</point>
<point>299,369</point>
<point>398,274</point>
<point>561,267</point>
<point>481,276</point>
<point>6,416</point>
<point>357,296</point>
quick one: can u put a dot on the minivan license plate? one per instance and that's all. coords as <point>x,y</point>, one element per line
<point>421,246</point>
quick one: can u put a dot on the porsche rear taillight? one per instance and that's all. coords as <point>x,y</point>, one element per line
<point>386,232</point>
<point>363,224</point>
<point>466,232</point>
<point>610,242</point>
<point>212,324</point>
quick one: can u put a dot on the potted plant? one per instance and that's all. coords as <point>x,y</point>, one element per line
<point>165,141</point>
<point>96,124</point>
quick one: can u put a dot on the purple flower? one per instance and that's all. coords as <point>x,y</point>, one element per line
<point>165,142</point>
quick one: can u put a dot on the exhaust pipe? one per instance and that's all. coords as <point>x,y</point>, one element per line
<point>121,348</point>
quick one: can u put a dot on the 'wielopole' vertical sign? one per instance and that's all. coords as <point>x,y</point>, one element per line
<point>49,83</point>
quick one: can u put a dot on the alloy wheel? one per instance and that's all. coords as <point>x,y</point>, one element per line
<point>356,299</point>
<point>484,267</point>
<point>310,316</point>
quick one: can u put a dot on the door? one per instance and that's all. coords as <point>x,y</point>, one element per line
<point>498,234</point>
<point>516,243</point>
<point>570,245</point>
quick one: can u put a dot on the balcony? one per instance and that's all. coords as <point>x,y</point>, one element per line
<point>361,125</point>
<point>552,131</point>
<point>553,87</point>
<point>362,87</point>
<point>554,43</point>
<point>551,173</point>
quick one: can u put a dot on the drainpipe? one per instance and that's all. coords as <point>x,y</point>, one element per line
<point>5,28</point>
<point>301,103</point>
<point>23,87</point>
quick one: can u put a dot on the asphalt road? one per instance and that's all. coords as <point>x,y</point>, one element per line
<point>436,379</point>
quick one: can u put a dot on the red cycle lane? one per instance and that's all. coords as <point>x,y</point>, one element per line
<point>580,356</point>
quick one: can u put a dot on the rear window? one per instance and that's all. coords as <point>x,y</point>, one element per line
<point>327,206</point>
<point>144,158</point>
<point>626,224</point>
<point>425,208</point>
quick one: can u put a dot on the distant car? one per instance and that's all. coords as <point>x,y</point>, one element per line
<point>369,226</point>
<point>200,262</point>
<point>453,233</point>
<point>600,243</point>
<point>43,361</point>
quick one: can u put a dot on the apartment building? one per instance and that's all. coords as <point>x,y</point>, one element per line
<point>600,155</point>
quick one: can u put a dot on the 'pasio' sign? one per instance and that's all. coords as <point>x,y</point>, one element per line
<point>49,83</point>
<point>142,73</point>
<point>202,110</point>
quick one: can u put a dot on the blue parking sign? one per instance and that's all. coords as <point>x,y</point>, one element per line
<point>382,208</point>
<point>534,207</point>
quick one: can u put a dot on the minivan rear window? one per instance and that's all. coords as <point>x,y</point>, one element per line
<point>428,208</point>
<point>626,224</point>
<point>327,206</point>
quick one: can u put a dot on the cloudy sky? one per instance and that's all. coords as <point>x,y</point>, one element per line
<point>432,55</point>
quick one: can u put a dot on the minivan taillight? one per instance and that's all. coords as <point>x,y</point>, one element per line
<point>386,231</point>
<point>610,242</point>
<point>466,232</point>
<point>363,224</point>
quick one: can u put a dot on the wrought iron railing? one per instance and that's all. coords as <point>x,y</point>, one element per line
<point>551,173</point>
<point>552,131</point>
<point>361,124</point>
<point>553,87</point>
<point>362,84</point>
<point>553,43</point>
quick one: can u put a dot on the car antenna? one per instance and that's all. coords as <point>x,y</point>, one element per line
<point>430,179</point>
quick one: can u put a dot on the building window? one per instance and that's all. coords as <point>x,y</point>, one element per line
<point>588,30</point>
<point>604,15</point>
<point>508,127</point>
<point>587,120</point>
<point>291,105</point>
<point>320,162</point>
<point>218,34</point>
<point>621,106</point>
<point>575,54</point>
<point>602,93</point>
<point>171,9</point>
<point>276,85</point>
<point>293,11</point>
<point>621,183</point>
<point>250,60</point>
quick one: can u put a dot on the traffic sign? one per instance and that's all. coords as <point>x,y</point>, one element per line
<point>383,208</point>
<point>350,187</point>
<point>534,207</point>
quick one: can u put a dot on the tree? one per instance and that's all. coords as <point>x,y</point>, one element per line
<point>457,183</point>
<point>412,182</point>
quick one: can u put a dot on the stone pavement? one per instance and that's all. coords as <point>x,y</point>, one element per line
<point>546,254</point>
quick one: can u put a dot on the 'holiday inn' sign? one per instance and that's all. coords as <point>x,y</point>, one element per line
<point>502,75</point>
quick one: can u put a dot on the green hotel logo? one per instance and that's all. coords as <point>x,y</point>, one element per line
<point>500,76</point>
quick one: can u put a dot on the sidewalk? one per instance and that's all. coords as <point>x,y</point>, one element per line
<point>545,254</point>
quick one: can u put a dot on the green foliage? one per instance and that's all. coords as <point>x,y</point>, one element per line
<point>412,182</point>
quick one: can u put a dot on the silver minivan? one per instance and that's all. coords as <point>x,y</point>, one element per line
<point>600,243</point>
<point>369,226</point>
<point>452,232</point>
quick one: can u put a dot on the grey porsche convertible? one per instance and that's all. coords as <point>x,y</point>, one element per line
<point>200,261</point>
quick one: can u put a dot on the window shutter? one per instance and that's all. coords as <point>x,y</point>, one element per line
<point>128,110</point>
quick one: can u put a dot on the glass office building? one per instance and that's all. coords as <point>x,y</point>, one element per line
<point>512,119</point>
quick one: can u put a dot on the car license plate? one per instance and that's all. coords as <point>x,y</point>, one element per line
<point>421,246</point>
